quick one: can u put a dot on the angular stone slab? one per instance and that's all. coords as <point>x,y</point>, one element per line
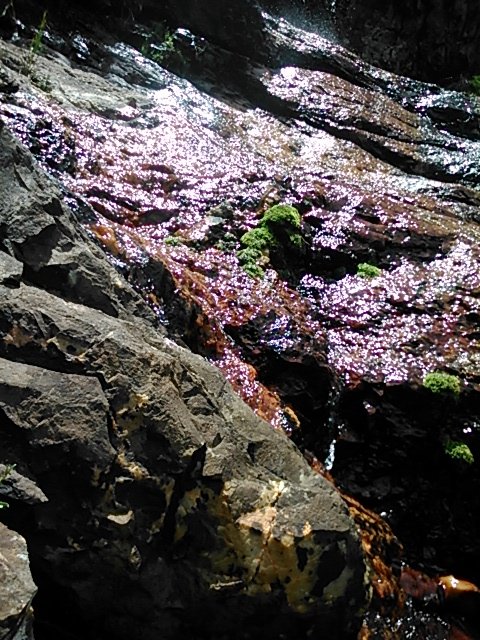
<point>16,587</point>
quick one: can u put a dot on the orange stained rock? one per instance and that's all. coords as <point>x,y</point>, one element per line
<point>380,546</point>
<point>417,584</point>
<point>455,588</point>
<point>461,598</point>
<point>106,236</point>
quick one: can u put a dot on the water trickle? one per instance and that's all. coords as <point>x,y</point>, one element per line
<point>330,459</point>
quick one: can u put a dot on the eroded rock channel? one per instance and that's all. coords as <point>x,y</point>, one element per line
<point>146,340</point>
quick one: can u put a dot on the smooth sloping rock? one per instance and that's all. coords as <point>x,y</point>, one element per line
<point>16,587</point>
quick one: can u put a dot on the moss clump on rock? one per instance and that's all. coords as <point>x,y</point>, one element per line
<point>283,215</point>
<point>278,230</point>
<point>368,271</point>
<point>173,241</point>
<point>459,451</point>
<point>442,383</point>
<point>474,85</point>
<point>258,239</point>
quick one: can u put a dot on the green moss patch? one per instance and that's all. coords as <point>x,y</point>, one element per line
<point>474,85</point>
<point>368,271</point>
<point>442,383</point>
<point>282,215</point>
<point>278,229</point>
<point>459,451</point>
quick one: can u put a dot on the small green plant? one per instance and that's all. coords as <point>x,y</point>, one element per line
<point>35,48</point>
<point>173,241</point>
<point>442,383</point>
<point>459,451</point>
<point>43,82</point>
<point>368,271</point>
<point>3,475</point>
<point>158,44</point>
<point>474,85</point>
<point>279,228</point>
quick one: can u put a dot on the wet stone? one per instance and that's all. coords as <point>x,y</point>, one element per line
<point>176,159</point>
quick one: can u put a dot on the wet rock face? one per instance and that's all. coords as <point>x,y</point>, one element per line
<point>17,588</point>
<point>396,438</point>
<point>433,41</point>
<point>237,26</point>
<point>168,174</point>
<point>145,486</point>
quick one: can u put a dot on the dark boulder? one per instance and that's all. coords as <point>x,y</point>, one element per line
<point>429,40</point>
<point>172,509</point>
<point>235,26</point>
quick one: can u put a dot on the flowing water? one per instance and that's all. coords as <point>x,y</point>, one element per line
<point>169,161</point>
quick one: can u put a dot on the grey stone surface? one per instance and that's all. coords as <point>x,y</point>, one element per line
<point>53,248</point>
<point>10,269</point>
<point>18,487</point>
<point>16,587</point>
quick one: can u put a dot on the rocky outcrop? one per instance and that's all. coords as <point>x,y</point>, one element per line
<point>237,27</point>
<point>383,170</point>
<point>17,588</point>
<point>435,41</point>
<point>167,500</point>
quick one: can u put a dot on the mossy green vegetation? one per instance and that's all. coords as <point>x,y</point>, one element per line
<point>173,241</point>
<point>459,451</point>
<point>258,239</point>
<point>282,215</point>
<point>253,270</point>
<point>278,229</point>
<point>474,85</point>
<point>442,383</point>
<point>159,43</point>
<point>368,271</point>
<point>36,46</point>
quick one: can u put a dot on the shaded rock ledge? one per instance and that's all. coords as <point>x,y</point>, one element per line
<point>170,507</point>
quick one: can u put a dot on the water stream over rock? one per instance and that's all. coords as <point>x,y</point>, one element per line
<point>169,155</point>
